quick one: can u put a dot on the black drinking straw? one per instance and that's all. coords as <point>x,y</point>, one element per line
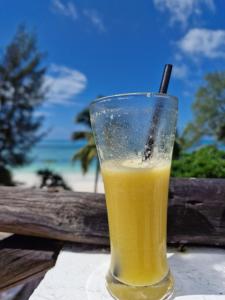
<point>165,79</point>
<point>148,151</point>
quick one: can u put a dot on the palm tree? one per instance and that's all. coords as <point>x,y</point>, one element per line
<point>88,153</point>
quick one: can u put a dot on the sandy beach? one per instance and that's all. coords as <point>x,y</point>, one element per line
<point>76,181</point>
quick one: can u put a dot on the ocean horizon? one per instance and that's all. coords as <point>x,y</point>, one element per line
<point>56,155</point>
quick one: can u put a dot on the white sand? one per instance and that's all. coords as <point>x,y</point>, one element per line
<point>76,181</point>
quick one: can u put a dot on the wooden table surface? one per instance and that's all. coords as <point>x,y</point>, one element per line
<point>79,275</point>
<point>196,216</point>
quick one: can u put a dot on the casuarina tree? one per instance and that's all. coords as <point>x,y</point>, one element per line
<point>209,111</point>
<point>21,93</point>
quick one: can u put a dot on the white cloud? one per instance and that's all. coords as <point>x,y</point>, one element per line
<point>63,84</point>
<point>181,10</point>
<point>200,42</point>
<point>180,71</point>
<point>95,19</point>
<point>67,9</point>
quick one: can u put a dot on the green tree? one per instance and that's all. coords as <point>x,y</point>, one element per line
<point>179,145</point>
<point>21,92</point>
<point>209,111</point>
<point>207,162</point>
<point>88,153</point>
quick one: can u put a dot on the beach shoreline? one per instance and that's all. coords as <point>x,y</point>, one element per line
<point>76,181</point>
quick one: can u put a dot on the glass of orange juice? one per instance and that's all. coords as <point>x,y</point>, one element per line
<point>134,135</point>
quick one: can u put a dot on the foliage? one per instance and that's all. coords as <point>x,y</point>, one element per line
<point>84,118</point>
<point>21,92</point>
<point>209,111</point>
<point>88,153</point>
<point>179,145</point>
<point>207,162</point>
<point>51,179</point>
<point>5,177</point>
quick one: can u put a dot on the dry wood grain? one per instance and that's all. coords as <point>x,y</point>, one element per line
<point>196,213</point>
<point>28,289</point>
<point>25,258</point>
<point>64,215</point>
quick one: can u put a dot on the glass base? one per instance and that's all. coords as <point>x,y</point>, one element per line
<point>161,291</point>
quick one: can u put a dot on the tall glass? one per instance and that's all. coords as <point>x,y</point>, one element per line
<point>134,135</point>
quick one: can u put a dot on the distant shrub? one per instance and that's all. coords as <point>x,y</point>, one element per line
<point>51,179</point>
<point>5,177</point>
<point>207,162</point>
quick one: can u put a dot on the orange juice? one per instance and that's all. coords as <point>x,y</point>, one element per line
<point>136,198</point>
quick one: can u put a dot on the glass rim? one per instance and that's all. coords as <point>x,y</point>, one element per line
<point>148,94</point>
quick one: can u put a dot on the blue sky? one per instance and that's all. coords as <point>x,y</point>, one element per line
<point>108,47</point>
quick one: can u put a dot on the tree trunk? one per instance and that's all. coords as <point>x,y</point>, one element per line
<point>96,175</point>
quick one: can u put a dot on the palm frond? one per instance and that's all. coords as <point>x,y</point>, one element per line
<point>82,135</point>
<point>88,152</point>
<point>85,155</point>
<point>84,118</point>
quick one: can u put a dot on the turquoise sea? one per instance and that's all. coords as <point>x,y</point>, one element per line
<point>57,156</point>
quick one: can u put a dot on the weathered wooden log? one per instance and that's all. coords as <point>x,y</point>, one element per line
<point>196,213</point>
<point>25,258</point>
<point>26,290</point>
<point>64,215</point>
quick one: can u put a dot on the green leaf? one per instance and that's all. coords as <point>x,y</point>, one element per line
<point>207,162</point>
<point>82,135</point>
<point>208,111</point>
